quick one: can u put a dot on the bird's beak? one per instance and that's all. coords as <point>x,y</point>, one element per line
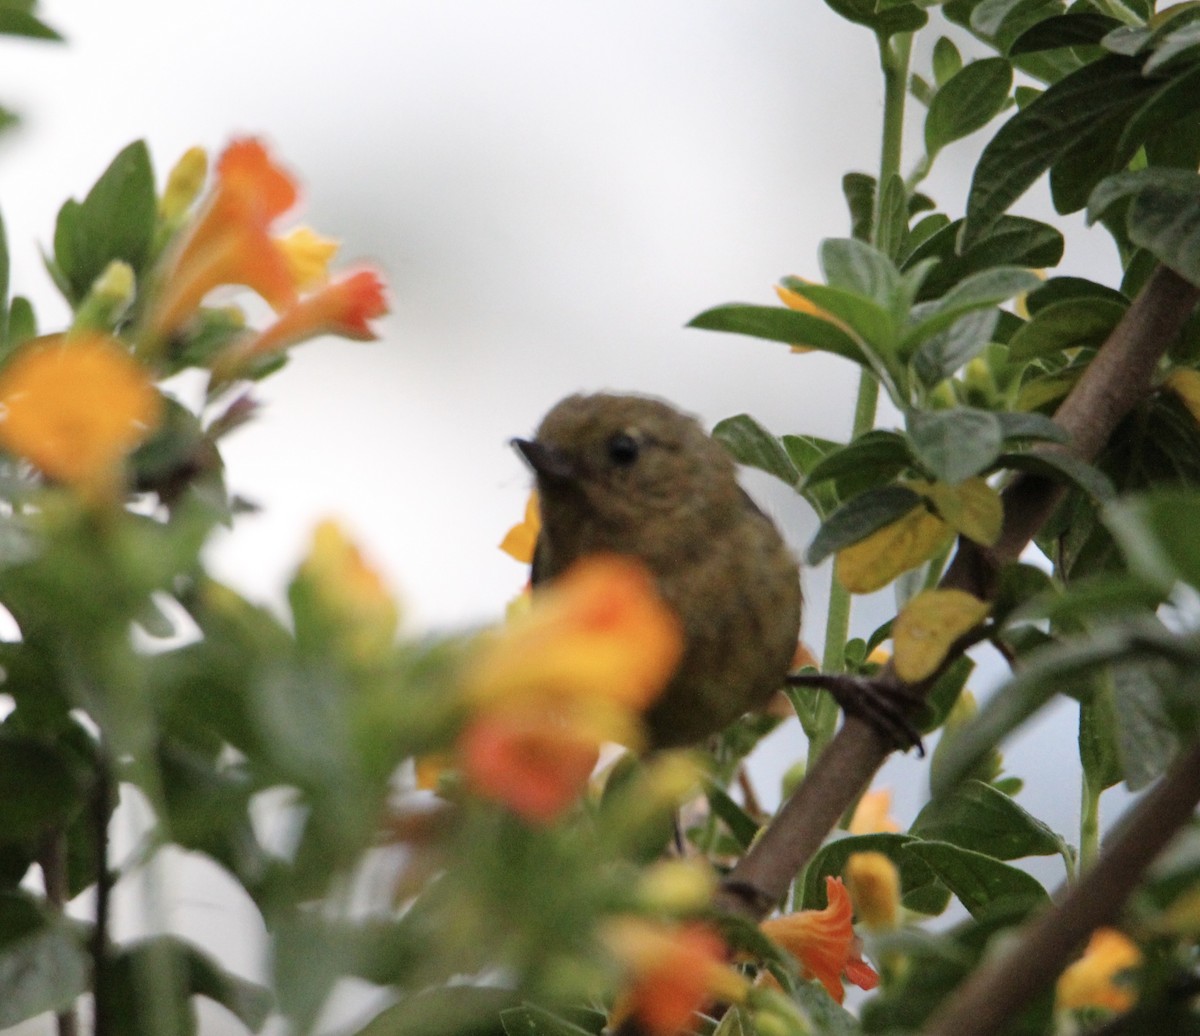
<point>546,461</point>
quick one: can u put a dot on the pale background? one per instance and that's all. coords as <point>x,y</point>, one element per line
<point>554,189</point>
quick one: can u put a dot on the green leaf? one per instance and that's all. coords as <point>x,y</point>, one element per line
<point>920,889</point>
<point>751,444</point>
<point>22,324</point>
<point>885,21</point>
<point>247,1001</point>
<point>979,881</point>
<point>1061,467</point>
<point>873,458</point>
<point>531,1020</point>
<point>1070,324</point>
<point>1064,289</point>
<point>871,321</point>
<point>968,101</point>
<point>893,216</point>
<point>22,23</point>
<point>856,267</point>
<point>955,444</point>
<point>858,518</point>
<point>1099,753</point>
<point>1016,424</point>
<point>1156,531</point>
<point>1039,135</point>
<point>946,60</point>
<point>1147,740</point>
<point>44,969</point>
<point>806,452</point>
<point>859,189</point>
<point>944,352</point>
<point>1064,30</point>
<point>1176,41</point>
<point>779,324</point>
<point>39,789</point>
<point>976,816</point>
<point>4,277</point>
<point>1012,241</point>
<point>459,1010</point>
<point>115,221</point>
<point>975,291</point>
<point>1163,215</point>
<point>742,826</point>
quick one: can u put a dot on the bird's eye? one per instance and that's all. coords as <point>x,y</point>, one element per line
<point>622,449</point>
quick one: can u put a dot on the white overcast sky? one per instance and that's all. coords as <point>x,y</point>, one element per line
<point>553,187</point>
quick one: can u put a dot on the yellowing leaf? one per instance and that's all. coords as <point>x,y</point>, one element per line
<point>972,508</point>
<point>928,625</point>
<point>1186,385</point>
<point>874,562</point>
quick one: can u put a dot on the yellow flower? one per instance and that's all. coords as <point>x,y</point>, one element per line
<point>308,255</point>
<point>74,407</point>
<point>350,591</point>
<point>872,814</point>
<point>1098,978</point>
<point>874,884</point>
<point>673,971</point>
<point>520,540</point>
<point>823,942</point>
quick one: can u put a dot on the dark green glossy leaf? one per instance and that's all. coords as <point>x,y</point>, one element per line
<point>946,60</point>
<point>975,291</point>
<point>1062,467</point>
<point>978,880</point>
<point>751,444</point>
<point>875,457</point>
<point>1163,215</point>
<point>1077,29</point>
<point>780,325</point>
<point>1147,738</point>
<point>806,452</point>
<point>115,221</point>
<point>742,826</point>
<point>1012,241</point>
<point>39,789</point>
<point>1064,289</point>
<point>1039,135</point>
<point>1018,425</point>
<point>1070,324</point>
<point>978,817</point>
<point>893,216</point>
<point>1156,531</point>
<point>858,518</point>
<point>955,444</point>
<point>967,102</point>
<point>885,21</point>
<point>1099,753</point>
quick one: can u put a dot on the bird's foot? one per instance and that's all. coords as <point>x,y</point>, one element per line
<point>885,707</point>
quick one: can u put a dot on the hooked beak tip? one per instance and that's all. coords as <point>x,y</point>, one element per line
<point>544,460</point>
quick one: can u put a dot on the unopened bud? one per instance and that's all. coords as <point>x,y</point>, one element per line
<point>184,184</point>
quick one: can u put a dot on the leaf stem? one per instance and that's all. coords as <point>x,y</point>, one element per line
<point>1089,823</point>
<point>893,60</point>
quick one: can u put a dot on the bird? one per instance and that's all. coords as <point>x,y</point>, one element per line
<point>632,475</point>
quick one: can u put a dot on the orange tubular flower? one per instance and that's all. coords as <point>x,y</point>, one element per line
<point>674,972</point>
<point>342,308</point>
<point>872,815</point>
<point>823,942</point>
<point>230,243</point>
<point>574,670</point>
<point>74,407</point>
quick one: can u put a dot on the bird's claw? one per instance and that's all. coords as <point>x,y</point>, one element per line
<point>885,708</point>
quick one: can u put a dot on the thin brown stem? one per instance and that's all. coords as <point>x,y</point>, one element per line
<point>102,804</point>
<point>1115,381</point>
<point>53,862</point>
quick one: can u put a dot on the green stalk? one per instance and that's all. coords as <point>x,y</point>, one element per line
<point>893,60</point>
<point>1089,824</point>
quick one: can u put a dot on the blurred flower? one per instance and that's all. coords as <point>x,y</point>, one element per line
<point>874,884</point>
<point>308,255</point>
<point>677,886</point>
<point>673,972</point>
<point>184,184</point>
<point>520,540</point>
<point>428,770</point>
<point>1099,978</point>
<point>823,942</point>
<point>230,240</point>
<point>350,593</point>
<point>576,669</point>
<point>75,406</point>
<point>873,814</point>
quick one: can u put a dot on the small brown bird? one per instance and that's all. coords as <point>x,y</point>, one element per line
<point>631,475</point>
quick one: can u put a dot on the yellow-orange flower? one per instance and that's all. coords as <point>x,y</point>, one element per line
<point>1095,980</point>
<point>74,407</point>
<point>794,300</point>
<point>344,307</point>
<point>520,540</point>
<point>823,942</point>
<point>230,242</point>
<point>872,815</point>
<point>673,972</point>
<point>574,670</point>
<point>308,255</point>
<point>874,884</point>
<point>350,591</point>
